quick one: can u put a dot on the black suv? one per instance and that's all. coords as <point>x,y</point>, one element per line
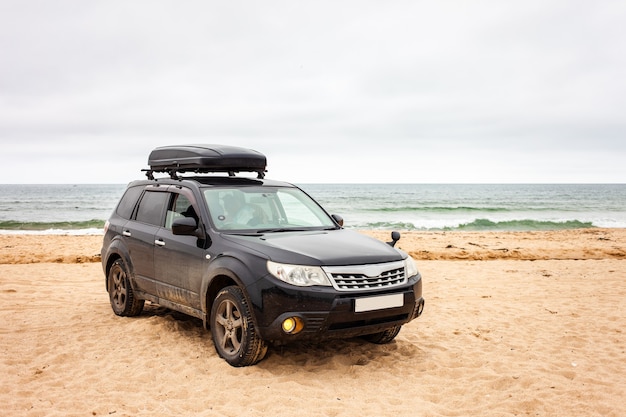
<point>258,261</point>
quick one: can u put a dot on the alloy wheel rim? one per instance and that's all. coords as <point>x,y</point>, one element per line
<point>119,288</point>
<point>229,327</point>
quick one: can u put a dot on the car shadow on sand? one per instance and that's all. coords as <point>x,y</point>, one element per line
<point>327,354</point>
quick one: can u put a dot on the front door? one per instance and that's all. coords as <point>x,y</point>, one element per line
<point>179,261</point>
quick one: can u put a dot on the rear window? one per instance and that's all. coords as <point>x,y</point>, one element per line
<point>151,208</point>
<point>128,202</point>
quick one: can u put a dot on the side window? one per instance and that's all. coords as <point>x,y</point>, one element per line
<point>128,202</point>
<point>151,207</point>
<point>181,207</point>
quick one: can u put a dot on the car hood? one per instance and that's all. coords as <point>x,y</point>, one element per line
<point>328,247</point>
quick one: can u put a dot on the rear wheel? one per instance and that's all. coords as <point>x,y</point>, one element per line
<point>233,331</point>
<point>121,296</point>
<point>383,337</point>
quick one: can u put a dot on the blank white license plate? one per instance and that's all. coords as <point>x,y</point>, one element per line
<point>378,303</point>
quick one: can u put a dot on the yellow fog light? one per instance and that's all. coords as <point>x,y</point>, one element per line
<point>292,325</point>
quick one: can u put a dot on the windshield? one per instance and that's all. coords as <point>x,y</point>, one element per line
<point>264,209</point>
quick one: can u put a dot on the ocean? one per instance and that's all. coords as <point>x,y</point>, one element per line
<point>83,209</point>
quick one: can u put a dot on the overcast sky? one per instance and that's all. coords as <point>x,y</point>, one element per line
<point>330,91</point>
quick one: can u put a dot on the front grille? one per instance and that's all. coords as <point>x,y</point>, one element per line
<point>367,277</point>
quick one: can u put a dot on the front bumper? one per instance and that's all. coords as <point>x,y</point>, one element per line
<point>326,313</point>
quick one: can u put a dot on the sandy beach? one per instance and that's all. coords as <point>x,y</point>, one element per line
<point>515,324</point>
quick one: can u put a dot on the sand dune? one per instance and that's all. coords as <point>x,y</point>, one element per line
<point>537,331</point>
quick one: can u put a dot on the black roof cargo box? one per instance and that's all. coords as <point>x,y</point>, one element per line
<point>206,158</point>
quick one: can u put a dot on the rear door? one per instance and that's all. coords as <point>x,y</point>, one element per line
<point>140,233</point>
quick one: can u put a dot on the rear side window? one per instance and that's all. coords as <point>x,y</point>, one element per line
<point>128,202</point>
<point>152,207</point>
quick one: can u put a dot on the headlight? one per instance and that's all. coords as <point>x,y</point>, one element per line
<point>410,267</point>
<point>300,275</point>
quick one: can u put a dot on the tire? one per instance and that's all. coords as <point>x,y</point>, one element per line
<point>383,337</point>
<point>232,329</point>
<point>121,296</point>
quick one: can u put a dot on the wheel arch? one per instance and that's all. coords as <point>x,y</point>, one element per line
<point>116,251</point>
<point>223,272</point>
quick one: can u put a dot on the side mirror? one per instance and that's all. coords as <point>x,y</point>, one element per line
<point>395,236</point>
<point>338,219</point>
<point>186,226</point>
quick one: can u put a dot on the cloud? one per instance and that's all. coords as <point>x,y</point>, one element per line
<point>329,84</point>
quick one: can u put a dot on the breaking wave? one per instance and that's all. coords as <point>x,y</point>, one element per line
<point>484,224</point>
<point>88,226</point>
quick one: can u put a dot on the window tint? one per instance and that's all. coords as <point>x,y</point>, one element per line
<point>127,203</point>
<point>151,207</point>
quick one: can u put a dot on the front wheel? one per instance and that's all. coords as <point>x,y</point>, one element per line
<point>383,337</point>
<point>121,296</point>
<point>233,331</point>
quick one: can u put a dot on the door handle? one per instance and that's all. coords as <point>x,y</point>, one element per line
<point>126,233</point>
<point>159,242</point>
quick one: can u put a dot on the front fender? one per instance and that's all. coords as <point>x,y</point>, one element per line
<point>227,270</point>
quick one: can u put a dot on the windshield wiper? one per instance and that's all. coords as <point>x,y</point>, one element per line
<point>282,229</point>
<point>240,233</point>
